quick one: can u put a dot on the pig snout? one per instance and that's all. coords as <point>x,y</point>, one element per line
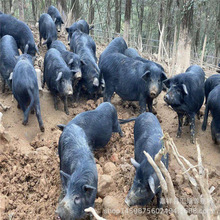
<point>78,75</point>
<point>63,211</point>
<point>153,94</point>
<point>166,98</point>
<point>129,200</point>
<point>153,91</point>
<point>68,89</point>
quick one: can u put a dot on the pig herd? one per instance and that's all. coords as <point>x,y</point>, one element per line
<point>119,70</point>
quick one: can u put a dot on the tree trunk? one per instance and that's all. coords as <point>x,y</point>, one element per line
<point>108,21</point>
<point>217,35</point>
<point>185,35</point>
<point>21,10</point>
<point>117,16</point>
<point>76,9</point>
<point>33,10</point>
<point>127,19</point>
<point>140,11</point>
<point>91,14</point>
<point>169,25</point>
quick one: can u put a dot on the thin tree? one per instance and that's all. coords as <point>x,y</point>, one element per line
<point>128,6</point>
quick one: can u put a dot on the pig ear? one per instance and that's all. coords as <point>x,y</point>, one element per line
<point>146,75</point>
<point>44,42</point>
<point>37,49</point>
<point>71,61</point>
<point>151,183</point>
<point>62,21</point>
<point>135,163</point>
<point>88,188</point>
<point>65,175</point>
<point>96,82</point>
<point>82,62</point>
<point>185,89</point>
<point>59,76</point>
<point>55,20</point>
<point>61,126</point>
<point>26,49</point>
<point>167,83</point>
<point>163,76</point>
<point>11,75</point>
<point>67,30</point>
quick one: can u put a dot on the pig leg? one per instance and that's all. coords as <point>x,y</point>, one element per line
<point>158,195</point>
<point>142,104</point>
<point>66,106</point>
<point>206,115</point>
<point>78,91</point>
<point>179,131</point>
<point>3,86</point>
<point>109,90</point>
<point>27,111</point>
<point>38,114</point>
<point>150,105</point>
<point>55,102</point>
<point>192,128</point>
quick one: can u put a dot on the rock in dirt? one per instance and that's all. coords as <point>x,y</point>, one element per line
<point>114,157</point>
<point>99,169</point>
<point>111,205</point>
<point>188,191</point>
<point>3,205</point>
<point>109,168</point>
<point>98,205</point>
<point>179,179</point>
<point>105,185</point>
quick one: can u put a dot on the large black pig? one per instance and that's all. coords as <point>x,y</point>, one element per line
<point>98,124</point>
<point>58,77</point>
<point>71,59</point>
<point>210,84</point>
<point>8,53</point>
<point>81,25</point>
<point>55,14</point>
<point>132,80</point>
<point>47,29</point>
<point>25,88</point>
<point>83,45</point>
<point>186,95</point>
<point>147,137</point>
<point>78,173</point>
<point>9,25</point>
<point>213,105</point>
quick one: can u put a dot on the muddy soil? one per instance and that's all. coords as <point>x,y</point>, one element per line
<point>29,163</point>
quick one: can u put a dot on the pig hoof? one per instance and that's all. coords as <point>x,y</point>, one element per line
<point>178,135</point>
<point>24,123</point>
<point>121,134</point>
<point>67,112</point>
<point>42,128</point>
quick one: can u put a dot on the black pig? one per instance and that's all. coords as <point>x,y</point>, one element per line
<point>8,53</point>
<point>78,173</point>
<point>55,14</point>
<point>210,84</point>
<point>132,80</point>
<point>47,29</point>
<point>186,95</point>
<point>98,124</point>
<point>83,45</point>
<point>147,137</point>
<point>25,88</point>
<point>20,31</point>
<point>213,105</point>
<point>58,77</point>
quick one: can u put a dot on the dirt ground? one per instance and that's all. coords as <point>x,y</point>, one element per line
<point>29,163</point>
